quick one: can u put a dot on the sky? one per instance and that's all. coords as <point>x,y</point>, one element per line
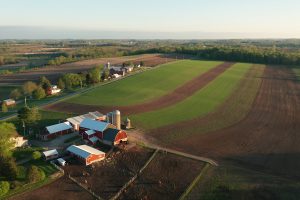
<point>149,19</point>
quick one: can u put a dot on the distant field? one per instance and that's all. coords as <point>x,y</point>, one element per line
<point>145,86</point>
<point>199,104</point>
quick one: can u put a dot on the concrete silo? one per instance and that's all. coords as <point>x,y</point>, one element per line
<point>116,116</point>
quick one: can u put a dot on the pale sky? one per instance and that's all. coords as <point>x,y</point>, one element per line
<point>149,19</point>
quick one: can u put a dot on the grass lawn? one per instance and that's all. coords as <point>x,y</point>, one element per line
<point>199,104</point>
<point>145,86</point>
<point>297,72</point>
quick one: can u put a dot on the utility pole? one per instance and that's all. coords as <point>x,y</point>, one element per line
<point>23,123</point>
<point>25,101</point>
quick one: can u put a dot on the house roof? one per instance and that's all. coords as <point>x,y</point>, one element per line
<point>58,127</point>
<point>50,153</point>
<point>94,125</point>
<point>110,134</point>
<point>90,132</point>
<point>84,151</point>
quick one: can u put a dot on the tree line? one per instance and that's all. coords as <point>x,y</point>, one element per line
<point>250,54</point>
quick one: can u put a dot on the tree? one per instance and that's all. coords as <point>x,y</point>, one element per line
<point>7,130</point>
<point>105,74</point>
<point>4,187</point>
<point>8,167</point>
<point>94,75</point>
<point>29,87</point>
<point>39,93</point>
<point>15,94</point>
<point>72,80</point>
<point>142,63</point>
<point>4,107</point>
<point>61,84</point>
<point>29,115</point>
<point>45,83</point>
<point>36,155</point>
<point>35,174</point>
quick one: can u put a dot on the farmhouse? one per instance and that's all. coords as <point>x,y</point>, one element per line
<point>86,154</point>
<point>51,154</point>
<point>9,102</point>
<point>75,121</point>
<point>53,131</point>
<point>19,141</point>
<point>53,90</point>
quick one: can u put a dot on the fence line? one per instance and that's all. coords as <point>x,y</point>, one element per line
<point>57,167</point>
<point>134,177</point>
<point>195,181</point>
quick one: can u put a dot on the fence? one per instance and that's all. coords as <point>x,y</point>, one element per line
<point>134,177</point>
<point>57,167</point>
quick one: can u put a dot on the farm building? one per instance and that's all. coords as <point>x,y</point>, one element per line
<point>86,154</point>
<point>114,136</point>
<point>51,154</point>
<point>56,130</point>
<point>53,90</point>
<point>19,141</point>
<point>93,131</point>
<point>75,121</point>
<point>9,102</point>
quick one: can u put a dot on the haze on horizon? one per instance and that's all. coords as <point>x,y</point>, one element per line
<point>155,19</point>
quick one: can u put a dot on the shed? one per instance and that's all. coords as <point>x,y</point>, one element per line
<point>9,102</point>
<point>86,154</point>
<point>61,161</point>
<point>50,154</point>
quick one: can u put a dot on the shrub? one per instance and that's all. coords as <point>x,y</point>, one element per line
<point>39,93</point>
<point>4,187</point>
<point>35,174</point>
<point>8,168</point>
<point>36,155</point>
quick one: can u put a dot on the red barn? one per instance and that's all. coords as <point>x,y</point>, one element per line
<point>53,131</point>
<point>114,136</point>
<point>86,154</point>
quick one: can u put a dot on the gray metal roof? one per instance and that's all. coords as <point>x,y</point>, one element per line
<point>58,127</point>
<point>84,151</point>
<point>94,125</point>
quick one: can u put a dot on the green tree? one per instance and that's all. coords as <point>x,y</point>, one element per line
<point>95,75</point>
<point>15,94</point>
<point>39,93</point>
<point>45,83</point>
<point>8,167</point>
<point>72,80</point>
<point>35,174</point>
<point>36,155</point>
<point>61,84</point>
<point>105,74</point>
<point>4,108</point>
<point>29,115</point>
<point>7,130</point>
<point>4,187</point>
<point>29,87</point>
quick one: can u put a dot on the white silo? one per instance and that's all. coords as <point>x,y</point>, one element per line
<point>116,119</point>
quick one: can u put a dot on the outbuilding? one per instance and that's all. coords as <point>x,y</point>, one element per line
<point>9,102</point>
<point>56,130</point>
<point>50,154</point>
<point>86,154</point>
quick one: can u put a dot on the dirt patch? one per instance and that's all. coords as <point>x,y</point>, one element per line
<point>172,98</point>
<point>166,177</point>
<point>61,189</point>
<point>107,177</point>
<point>268,138</point>
<point>54,72</point>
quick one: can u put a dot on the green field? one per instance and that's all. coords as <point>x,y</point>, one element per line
<point>199,104</point>
<point>145,86</point>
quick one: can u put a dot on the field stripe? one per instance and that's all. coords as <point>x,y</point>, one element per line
<point>201,103</point>
<point>233,110</point>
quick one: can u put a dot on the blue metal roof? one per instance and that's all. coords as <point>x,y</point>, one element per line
<point>94,125</point>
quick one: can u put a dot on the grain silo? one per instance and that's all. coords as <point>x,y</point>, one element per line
<point>116,119</point>
<point>127,123</point>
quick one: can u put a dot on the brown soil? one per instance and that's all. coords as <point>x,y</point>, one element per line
<point>166,177</point>
<point>172,98</point>
<point>61,189</point>
<point>54,72</point>
<point>109,175</point>
<point>268,138</point>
